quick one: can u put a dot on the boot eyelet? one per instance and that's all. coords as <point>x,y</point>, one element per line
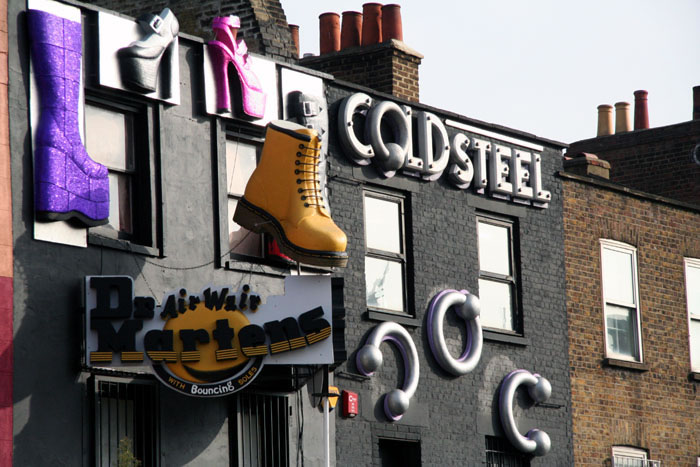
<point>297,162</point>
<point>303,198</point>
<point>296,171</point>
<point>298,181</point>
<point>299,154</point>
<point>301,146</point>
<point>306,205</point>
<point>300,190</point>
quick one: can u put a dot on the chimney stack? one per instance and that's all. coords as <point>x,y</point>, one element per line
<point>623,121</point>
<point>605,120</point>
<point>351,30</point>
<point>391,22</point>
<point>641,112</point>
<point>329,32</point>
<point>364,55</point>
<point>371,23</point>
<point>696,103</point>
<point>586,164</point>
<point>294,29</point>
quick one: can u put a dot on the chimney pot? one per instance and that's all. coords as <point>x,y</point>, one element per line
<point>605,120</point>
<point>371,23</point>
<point>351,31</point>
<point>294,29</point>
<point>329,29</point>
<point>696,103</point>
<point>641,112</point>
<point>623,121</point>
<point>392,27</point>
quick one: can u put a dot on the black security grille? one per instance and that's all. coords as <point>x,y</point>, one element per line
<point>126,423</point>
<point>499,453</point>
<point>261,431</point>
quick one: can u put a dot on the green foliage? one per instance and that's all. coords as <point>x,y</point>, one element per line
<point>126,456</point>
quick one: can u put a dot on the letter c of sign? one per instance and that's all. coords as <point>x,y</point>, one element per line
<point>467,307</point>
<point>369,359</point>
<point>535,441</point>
<point>360,153</point>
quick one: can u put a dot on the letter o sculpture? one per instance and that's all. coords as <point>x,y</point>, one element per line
<point>467,307</point>
<point>369,359</point>
<point>389,157</point>
<point>536,441</point>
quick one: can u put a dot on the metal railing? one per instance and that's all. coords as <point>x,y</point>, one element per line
<point>625,461</point>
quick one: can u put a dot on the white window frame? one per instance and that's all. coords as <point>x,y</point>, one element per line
<point>629,249</point>
<point>398,258</point>
<point>512,280</point>
<point>628,456</point>
<point>237,196</point>
<point>691,263</point>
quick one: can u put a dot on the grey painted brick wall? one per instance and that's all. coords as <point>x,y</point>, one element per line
<point>451,416</point>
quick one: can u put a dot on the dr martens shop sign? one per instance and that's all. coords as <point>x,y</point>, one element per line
<point>386,141</point>
<point>211,343</point>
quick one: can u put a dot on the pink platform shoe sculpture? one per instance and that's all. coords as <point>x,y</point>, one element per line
<point>225,50</point>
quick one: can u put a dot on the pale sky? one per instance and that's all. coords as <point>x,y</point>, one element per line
<point>543,66</point>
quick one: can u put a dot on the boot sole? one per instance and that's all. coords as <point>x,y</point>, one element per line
<point>258,220</point>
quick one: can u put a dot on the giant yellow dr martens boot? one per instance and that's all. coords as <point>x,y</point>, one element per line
<point>283,198</point>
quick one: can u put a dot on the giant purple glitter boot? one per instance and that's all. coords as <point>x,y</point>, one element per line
<point>67,182</point>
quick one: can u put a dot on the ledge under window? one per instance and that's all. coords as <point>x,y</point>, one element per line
<point>120,244</point>
<point>495,336</point>
<point>694,376</point>
<point>617,363</point>
<point>404,319</point>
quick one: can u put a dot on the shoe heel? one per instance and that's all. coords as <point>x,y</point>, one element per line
<point>248,218</point>
<point>140,74</point>
<point>253,101</point>
<point>219,62</point>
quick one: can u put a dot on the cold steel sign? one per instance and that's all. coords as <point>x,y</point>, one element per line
<point>386,141</point>
<point>211,343</point>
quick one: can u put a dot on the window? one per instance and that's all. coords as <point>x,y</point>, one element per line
<point>117,136</point>
<point>241,160</point>
<point>498,292</point>
<point>620,297</point>
<point>399,453</point>
<point>499,453</point>
<point>385,257</point>
<point>126,422</point>
<point>692,290</point>
<point>259,431</point>
<point>625,456</point>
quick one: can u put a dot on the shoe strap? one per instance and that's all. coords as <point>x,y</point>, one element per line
<point>226,21</point>
<point>150,22</point>
<point>310,108</point>
<point>241,47</point>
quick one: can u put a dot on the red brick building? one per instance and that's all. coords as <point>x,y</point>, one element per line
<point>633,281</point>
